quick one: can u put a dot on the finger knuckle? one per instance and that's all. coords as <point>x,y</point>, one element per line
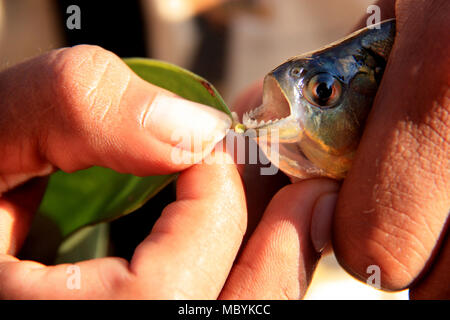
<point>82,82</point>
<point>396,240</point>
<point>400,254</point>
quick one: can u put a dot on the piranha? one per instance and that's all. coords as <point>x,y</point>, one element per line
<point>318,102</point>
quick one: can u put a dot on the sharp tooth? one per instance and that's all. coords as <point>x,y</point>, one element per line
<point>252,123</point>
<point>245,117</point>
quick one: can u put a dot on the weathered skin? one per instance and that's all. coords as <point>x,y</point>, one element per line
<point>323,99</point>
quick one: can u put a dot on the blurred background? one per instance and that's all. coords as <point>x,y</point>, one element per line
<point>231,43</point>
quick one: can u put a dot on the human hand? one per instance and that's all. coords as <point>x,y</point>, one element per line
<point>398,220</point>
<point>82,106</point>
<point>393,207</point>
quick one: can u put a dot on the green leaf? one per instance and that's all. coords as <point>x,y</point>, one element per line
<point>95,195</point>
<point>180,81</point>
<point>87,243</point>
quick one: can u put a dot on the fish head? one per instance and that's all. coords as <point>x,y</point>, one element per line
<point>318,103</point>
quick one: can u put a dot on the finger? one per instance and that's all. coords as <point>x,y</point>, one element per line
<point>16,212</point>
<point>279,259</point>
<point>82,106</point>
<point>395,200</point>
<point>193,245</point>
<point>106,278</point>
<point>259,190</point>
<point>32,280</point>
<point>188,254</point>
<point>435,284</point>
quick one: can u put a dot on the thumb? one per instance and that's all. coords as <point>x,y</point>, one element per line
<point>279,260</point>
<point>77,107</point>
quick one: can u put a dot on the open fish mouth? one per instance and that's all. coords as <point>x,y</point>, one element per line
<point>275,106</point>
<point>274,114</point>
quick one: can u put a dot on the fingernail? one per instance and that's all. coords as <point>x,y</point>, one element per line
<point>181,122</point>
<point>322,219</point>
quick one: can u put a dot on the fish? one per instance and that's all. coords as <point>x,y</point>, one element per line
<point>315,105</point>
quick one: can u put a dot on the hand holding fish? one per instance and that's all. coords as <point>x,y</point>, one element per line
<point>392,208</point>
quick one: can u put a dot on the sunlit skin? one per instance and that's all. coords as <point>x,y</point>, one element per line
<point>393,206</point>
<point>400,174</point>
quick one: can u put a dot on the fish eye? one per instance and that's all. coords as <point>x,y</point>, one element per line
<point>323,90</point>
